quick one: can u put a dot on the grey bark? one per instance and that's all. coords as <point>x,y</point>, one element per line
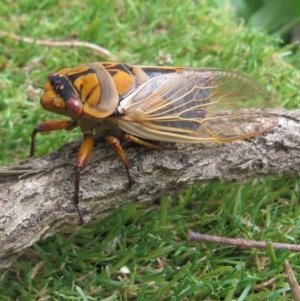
<point>36,195</point>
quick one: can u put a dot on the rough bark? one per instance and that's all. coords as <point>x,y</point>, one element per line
<point>36,195</point>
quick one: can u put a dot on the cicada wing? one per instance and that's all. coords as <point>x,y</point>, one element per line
<point>198,105</point>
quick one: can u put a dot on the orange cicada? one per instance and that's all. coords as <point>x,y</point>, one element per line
<point>180,105</point>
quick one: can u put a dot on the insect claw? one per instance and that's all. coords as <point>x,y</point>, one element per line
<point>129,180</point>
<point>80,215</point>
<point>33,136</point>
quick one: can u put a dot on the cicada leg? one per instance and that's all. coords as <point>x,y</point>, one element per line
<point>140,141</point>
<point>83,155</point>
<point>81,161</point>
<point>137,140</point>
<point>48,126</point>
<point>117,145</point>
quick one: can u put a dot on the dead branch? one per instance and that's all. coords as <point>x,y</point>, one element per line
<point>292,280</point>
<point>28,40</point>
<point>36,195</point>
<point>241,243</point>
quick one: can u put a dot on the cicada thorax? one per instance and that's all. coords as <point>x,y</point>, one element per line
<point>97,86</point>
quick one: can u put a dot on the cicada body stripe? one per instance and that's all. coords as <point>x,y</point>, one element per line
<point>174,104</point>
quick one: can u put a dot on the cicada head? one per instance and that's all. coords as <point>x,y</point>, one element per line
<point>88,89</point>
<point>60,96</point>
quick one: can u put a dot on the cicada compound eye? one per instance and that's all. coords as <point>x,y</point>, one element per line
<point>74,107</point>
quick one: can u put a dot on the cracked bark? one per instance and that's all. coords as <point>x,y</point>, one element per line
<point>36,195</point>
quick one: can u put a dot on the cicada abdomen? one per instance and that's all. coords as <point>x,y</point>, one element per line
<point>178,105</point>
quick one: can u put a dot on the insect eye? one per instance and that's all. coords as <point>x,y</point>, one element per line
<point>74,107</point>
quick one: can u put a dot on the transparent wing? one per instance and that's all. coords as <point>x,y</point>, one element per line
<point>196,106</point>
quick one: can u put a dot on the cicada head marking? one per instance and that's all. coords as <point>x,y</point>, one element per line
<point>59,97</point>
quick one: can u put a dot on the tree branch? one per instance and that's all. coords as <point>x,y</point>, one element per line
<point>36,195</point>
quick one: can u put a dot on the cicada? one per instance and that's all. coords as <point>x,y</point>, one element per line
<point>146,104</point>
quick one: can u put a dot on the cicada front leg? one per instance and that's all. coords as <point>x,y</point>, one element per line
<point>83,155</point>
<point>49,126</point>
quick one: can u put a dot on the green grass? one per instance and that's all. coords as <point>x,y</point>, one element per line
<point>149,239</point>
<point>276,17</point>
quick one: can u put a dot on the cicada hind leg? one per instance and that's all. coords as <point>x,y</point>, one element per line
<point>137,140</point>
<point>148,144</point>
